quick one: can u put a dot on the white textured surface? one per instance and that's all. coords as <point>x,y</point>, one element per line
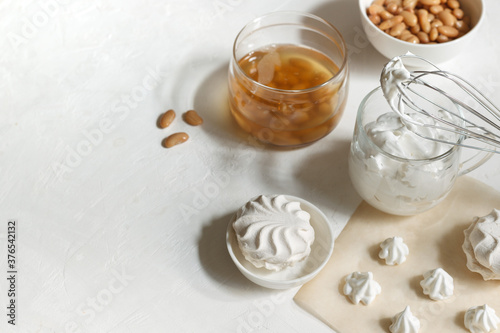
<point>116,233</point>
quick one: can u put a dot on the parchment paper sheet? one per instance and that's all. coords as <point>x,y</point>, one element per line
<point>435,240</point>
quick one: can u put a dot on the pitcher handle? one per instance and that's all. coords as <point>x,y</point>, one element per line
<point>483,157</point>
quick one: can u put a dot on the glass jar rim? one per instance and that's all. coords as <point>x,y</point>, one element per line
<point>340,43</point>
<point>361,131</point>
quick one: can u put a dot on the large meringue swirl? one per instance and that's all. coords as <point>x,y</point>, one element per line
<point>273,232</point>
<point>482,246</point>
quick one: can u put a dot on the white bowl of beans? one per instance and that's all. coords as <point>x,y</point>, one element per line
<point>436,30</point>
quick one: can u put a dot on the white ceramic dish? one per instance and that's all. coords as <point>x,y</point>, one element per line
<point>300,273</point>
<point>392,47</point>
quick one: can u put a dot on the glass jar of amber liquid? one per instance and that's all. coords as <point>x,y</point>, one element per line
<point>288,78</point>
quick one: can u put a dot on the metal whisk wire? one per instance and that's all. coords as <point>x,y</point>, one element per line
<point>488,132</point>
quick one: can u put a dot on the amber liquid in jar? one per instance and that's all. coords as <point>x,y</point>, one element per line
<point>285,97</point>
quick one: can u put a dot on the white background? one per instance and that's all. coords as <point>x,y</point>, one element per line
<point>116,233</point>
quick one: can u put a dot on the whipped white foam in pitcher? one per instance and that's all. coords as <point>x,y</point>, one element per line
<point>394,164</point>
<point>401,185</point>
<point>400,139</point>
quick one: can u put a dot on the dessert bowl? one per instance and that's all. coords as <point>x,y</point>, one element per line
<point>301,272</point>
<point>390,46</point>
